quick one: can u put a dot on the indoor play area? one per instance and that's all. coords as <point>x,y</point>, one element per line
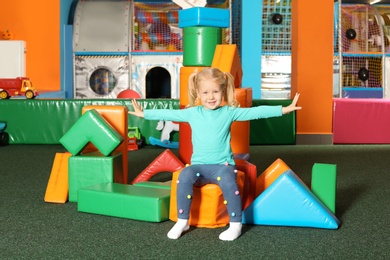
<point>107,179</point>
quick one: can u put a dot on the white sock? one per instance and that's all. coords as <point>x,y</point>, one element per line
<point>233,232</point>
<point>180,226</point>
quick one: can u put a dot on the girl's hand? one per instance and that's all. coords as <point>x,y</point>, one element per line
<point>137,109</point>
<point>293,106</point>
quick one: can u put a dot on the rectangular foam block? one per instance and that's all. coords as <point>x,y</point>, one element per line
<point>323,184</point>
<point>155,184</point>
<point>57,188</point>
<point>204,16</point>
<point>92,168</point>
<point>361,121</point>
<point>91,127</point>
<point>275,130</point>
<point>125,201</point>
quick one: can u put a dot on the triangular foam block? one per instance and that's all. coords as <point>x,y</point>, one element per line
<point>165,162</point>
<point>288,202</point>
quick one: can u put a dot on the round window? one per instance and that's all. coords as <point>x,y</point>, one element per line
<point>102,81</point>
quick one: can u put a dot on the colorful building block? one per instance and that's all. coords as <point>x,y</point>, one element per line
<point>277,168</point>
<point>323,184</point>
<point>165,162</point>
<point>227,59</point>
<point>155,184</point>
<point>207,208</point>
<point>199,45</point>
<point>288,202</point>
<point>92,168</point>
<point>125,201</point>
<point>204,16</point>
<point>117,117</point>
<point>57,187</point>
<point>91,127</point>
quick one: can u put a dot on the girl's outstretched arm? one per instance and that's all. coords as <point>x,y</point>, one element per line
<point>293,106</point>
<point>137,109</point>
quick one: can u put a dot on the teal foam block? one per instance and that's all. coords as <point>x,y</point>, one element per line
<point>323,184</point>
<point>91,127</point>
<point>125,201</point>
<point>155,184</point>
<point>288,202</point>
<point>92,168</point>
<point>204,16</point>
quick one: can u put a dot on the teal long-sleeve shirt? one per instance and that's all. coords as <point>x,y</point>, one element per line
<point>211,128</point>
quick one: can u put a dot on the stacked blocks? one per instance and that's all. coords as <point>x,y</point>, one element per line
<point>125,201</point>
<point>323,184</point>
<point>288,202</point>
<point>204,16</point>
<point>91,127</point>
<point>207,208</point>
<point>92,168</point>
<point>117,117</point>
<point>201,34</point>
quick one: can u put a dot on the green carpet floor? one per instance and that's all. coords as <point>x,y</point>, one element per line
<point>33,229</point>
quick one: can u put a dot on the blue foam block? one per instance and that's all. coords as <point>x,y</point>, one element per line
<point>288,202</point>
<point>204,16</point>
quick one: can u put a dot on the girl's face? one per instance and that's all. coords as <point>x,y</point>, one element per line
<point>210,94</point>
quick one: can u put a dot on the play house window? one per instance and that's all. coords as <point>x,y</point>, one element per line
<point>102,81</point>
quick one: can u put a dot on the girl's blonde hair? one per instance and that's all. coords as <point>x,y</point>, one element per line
<point>224,79</point>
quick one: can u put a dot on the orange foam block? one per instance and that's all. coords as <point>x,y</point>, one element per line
<point>117,117</point>
<point>226,59</point>
<point>277,168</point>
<point>57,188</point>
<point>207,208</point>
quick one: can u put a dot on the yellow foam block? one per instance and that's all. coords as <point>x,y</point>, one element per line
<point>207,208</point>
<point>57,188</point>
<point>226,59</point>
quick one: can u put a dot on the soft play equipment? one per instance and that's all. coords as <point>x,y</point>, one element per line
<point>125,201</point>
<point>155,184</point>
<point>91,127</point>
<point>227,59</point>
<point>117,117</point>
<point>267,177</point>
<point>288,202</point>
<point>274,130</point>
<point>204,16</point>
<point>57,188</point>
<point>165,162</point>
<point>207,208</point>
<point>361,121</point>
<point>92,168</point>
<point>249,192</point>
<point>323,184</point>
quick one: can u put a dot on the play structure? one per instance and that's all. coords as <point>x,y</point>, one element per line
<point>90,178</point>
<point>93,172</point>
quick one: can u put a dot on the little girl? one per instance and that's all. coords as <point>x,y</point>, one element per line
<point>212,158</point>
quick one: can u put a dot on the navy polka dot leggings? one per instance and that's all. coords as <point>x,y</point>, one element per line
<point>200,174</point>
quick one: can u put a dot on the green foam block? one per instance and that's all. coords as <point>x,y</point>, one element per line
<point>125,201</point>
<point>199,43</point>
<point>155,184</point>
<point>92,168</point>
<point>91,127</point>
<point>323,184</point>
